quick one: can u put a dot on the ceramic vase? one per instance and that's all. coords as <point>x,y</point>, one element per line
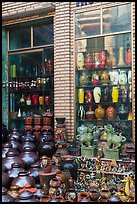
<point>88,96</point>
<point>128,57</point>
<point>80,61</point>
<point>81,112</point>
<point>112,57</point>
<point>88,61</point>
<point>121,57</point>
<point>105,77</point>
<point>100,112</point>
<point>122,77</point>
<point>123,112</point>
<point>115,94</point>
<point>84,79</point>
<point>124,94</point>
<point>114,77</point>
<point>97,60</point>
<point>111,113</point>
<point>105,94</point>
<point>129,77</point>
<point>97,94</point>
<point>130,93</point>
<point>90,114</point>
<point>81,95</point>
<point>95,78</point>
<point>103,58</point>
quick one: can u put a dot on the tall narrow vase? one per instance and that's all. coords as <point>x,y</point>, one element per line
<point>81,95</point>
<point>97,94</point>
<point>121,57</point>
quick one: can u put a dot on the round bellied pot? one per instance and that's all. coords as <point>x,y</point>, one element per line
<point>94,195</point>
<point>5,196</point>
<point>23,179</point>
<point>100,112</point>
<point>68,162</point>
<point>5,180</point>
<point>110,113</point>
<point>71,195</point>
<point>114,198</point>
<point>55,182</point>
<point>105,77</point>
<point>6,148</point>
<point>47,135</point>
<point>46,164</point>
<point>90,114</point>
<point>13,172</point>
<point>88,96</point>
<point>123,112</point>
<point>45,198</point>
<point>14,134</point>
<point>84,79</point>
<point>26,196</point>
<point>88,61</point>
<point>15,144</point>
<point>34,171</point>
<point>14,191</point>
<point>27,142</point>
<point>28,135</point>
<point>10,159</point>
<point>29,157</point>
<point>83,196</point>
<point>105,194</point>
<point>40,192</point>
<point>62,148</point>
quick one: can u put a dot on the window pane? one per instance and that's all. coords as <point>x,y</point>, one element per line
<point>116,19</point>
<point>87,23</point>
<point>19,37</point>
<point>43,34</point>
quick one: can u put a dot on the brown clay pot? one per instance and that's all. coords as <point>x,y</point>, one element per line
<point>13,172</point>
<point>27,142</point>
<point>10,159</point>
<point>105,194</point>
<point>15,134</point>
<point>26,196</point>
<point>34,171</point>
<point>71,195</point>
<point>100,112</point>
<point>45,198</point>
<point>29,157</point>
<point>55,182</point>
<point>23,179</point>
<point>15,144</point>
<point>83,195</point>
<point>28,135</point>
<point>94,195</point>
<point>6,148</point>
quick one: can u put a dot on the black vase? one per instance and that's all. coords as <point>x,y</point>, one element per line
<point>123,112</point>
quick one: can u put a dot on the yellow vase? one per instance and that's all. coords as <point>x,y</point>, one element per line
<point>115,94</point>
<point>81,95</point>
<point>41,100</point>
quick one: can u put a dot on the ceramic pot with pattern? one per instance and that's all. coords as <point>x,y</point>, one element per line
<point>100,112</point>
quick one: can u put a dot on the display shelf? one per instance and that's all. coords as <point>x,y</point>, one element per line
<point>104,120</point>
<point>100,85</point>
<point>30,91</point>
<point>104,103</point>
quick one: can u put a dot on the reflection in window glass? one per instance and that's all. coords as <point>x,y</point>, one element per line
<point>87,24</point>
<point>43,34</point>
<point>19,37</point>
<point>116,19</point>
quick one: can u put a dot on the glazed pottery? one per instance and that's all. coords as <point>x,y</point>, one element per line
<point>23,179</point>
<point>123,112</point>
<point>130,93</point>
<point>45,198</point>
<point>71,195</point>
<point>81,112</point>
<point>62,148</point>
<point>46,148</point>
<point>60,120</point>
<point>82,129</point>
<point>110,113</point>
<point>16,145</point>
<point>105,94</point>
<point>34,171</point>
<point>94,195</point>
<point>103,58</point>
<point>97,94</point>
<point>80,60</point>
<point>128,57</point>
<point>49,66</point>
<point>83,79</point>
<point>29,135</point>
<point>90,114</point>
<point>28,143</point>
<point>26,196</point>
<point>47,135</point>
<point>122,77</point>
<point>115,94</point>
<point>105,194</point>
<point>14,191</point>
<point>6,148</point>
<point>10,159</point>
<point>100,112</point>
<point>55,182</point>
<point>81,95</point>
<point>5,196</point>
<point>13,172</point>
<point>41,100</point>
<point>67,162</point>
<point>114,77</point>
<point>105,77</point>
<point>88,61</point>
<point>88,96</point>
<point>40,192</point>
<point>97,60</point>
<point>95,78</point>
<point>121,57</point>
<point>15,134</point>
<point>5,180</point>
<point>34,99</point>
<point>47,100</point>
<point>83,196</point>
<point>45,179</point>
<point>29,157</point>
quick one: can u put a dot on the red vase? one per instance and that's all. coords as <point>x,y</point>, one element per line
<point>47,100</point>
<point>110,113</point>
<point>97,60</point>
<point>88,61</point>
<point>103,59</point>
<point>128,57</point>
<point>88,96</point>
<point>34,99</point>
<point>90,114</point>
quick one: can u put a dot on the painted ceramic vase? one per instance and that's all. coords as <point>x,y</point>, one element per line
<point>114,77</point>
<point>95,79</point>
<point>122,77</point>
<point>80,61</point>
<point>111,113</point>
<point>41,100</point>
<point>82,129</point>
<point>34,99</point>
<point>81,95</point>
<point>124,94</point>
<point>81,112</point>
<point>128,57</point>
<point>105,94</point>
<point>90,114</point>
<point>88,61</point>
<point>97,94</point>
<point>105,77</point>
<point>100,112</point>
<point>84,79</point>
<point>130,93</point>
<point>112,57</point>
<point>97,60</point>
<point>88,96</point>
<point>103,58</point>
<point>115,94</point>
<point>121,57</point>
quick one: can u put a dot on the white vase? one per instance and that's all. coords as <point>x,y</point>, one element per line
<point>97,94</point>
<point>80,61</point>
<point>19,113</point>
<point>114,77</point>
<point>122,77</point>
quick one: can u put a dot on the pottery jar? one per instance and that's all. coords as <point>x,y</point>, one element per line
<point>60,120</point>
<point>47,100</point>
<point>88,96</point>
<point>47,135</point>
<point>6,148</point>
<point>88,61</point>
<point>80,60</point>
<point>83,196</point>
<point>112,58</point>
<point>114,198</point>
<point>90,114</point>
<point>97,60</point>
<point>105,77</point>
<point>34,171</point>
<point>83,79</point>
<point>27,142</point>
<point>29,157</point>
<point>95,78</point>
<point>55,182</point>
<point>40,192</point>
<point>23,179</point>
<point>122,77</point>
<point>121,57</point>
<point>123,112</point>
<point>105,194</point>
<point>81,95</point>
<point>15,134</point>
<point>62,148</point>
<point>45,198</point>
<point>71,195</point>
<point>15,144</point>
<point>114,77</point>
<point>94,194</point>
<point>97,94</point>
<point>10,159</point>
<point>34,99</point>
<point>82,129</point>
<point>14,191</point>
<point>110,113</point>
<point>105,94</point>
<point>5,196</point>
<point>129,77</point>
<point>103,58</point>
<point>26,196</point>
<point>5,180</point>
<point>49,66</point>
<point>68,162</point>
<point>13,172</point>
<point>124,94</point>
<point>81,112</point>
<point>128,57</point>
<point>29,135</point>
<point>100,112</point>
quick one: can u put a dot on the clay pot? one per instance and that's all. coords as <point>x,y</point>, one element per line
<point>26,196</point>
<point>23,179</point>
<point>105,77</point>
<point>14,134</point>
<point>114,199</point>
<point>13,172</point>
<point>68,163</point>
<point>90,114</point>
<point>45,198</point>
<point>15,144</point>
<point>46,165</point>
<point>40,192</point>
<point>46,148</point>
<point>29,157</point>
<point>61,176</point>
<point>55,182</point>
<point>34,171</point>
<point>62,148</point>
<point>48,137</point>
<point>100,112</point>
<point>6,148</point>
<point>27,142</point>
<point>94,195</point>
<point>28,135</point>
<point>5,196</point>
<point>10,159</point>
<point>60,120</point>
<point>105,194</point>
<point>71,195</point>
<point>110,113</point>
<point>83,196</point>
<point>5,180</point>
